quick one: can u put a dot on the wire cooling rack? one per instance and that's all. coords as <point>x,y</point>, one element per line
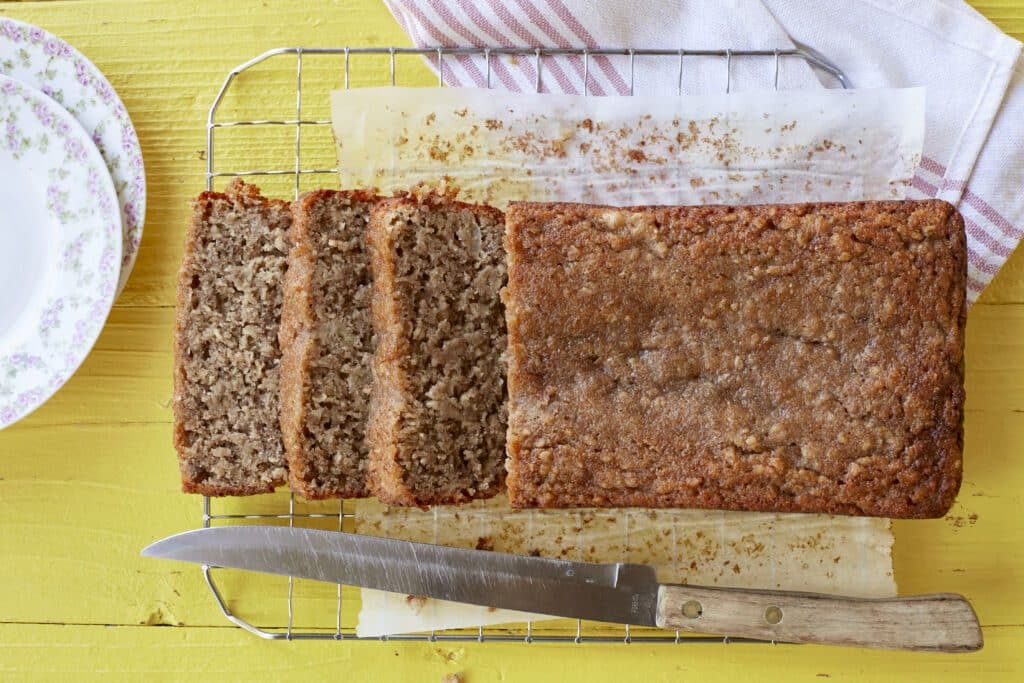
<point>343,66</point>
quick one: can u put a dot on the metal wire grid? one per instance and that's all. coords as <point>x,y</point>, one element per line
<point>437,55</point>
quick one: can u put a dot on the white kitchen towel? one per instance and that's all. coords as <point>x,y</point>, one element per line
<point>974,74</point>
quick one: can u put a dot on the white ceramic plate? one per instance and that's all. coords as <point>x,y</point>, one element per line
<point>60,241</point>
<point>43,61</point>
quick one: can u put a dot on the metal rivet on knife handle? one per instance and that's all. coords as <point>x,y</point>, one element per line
<point>692,609</point>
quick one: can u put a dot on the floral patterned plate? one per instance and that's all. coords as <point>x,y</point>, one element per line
<point>45,62</point>
<point>60,241</point>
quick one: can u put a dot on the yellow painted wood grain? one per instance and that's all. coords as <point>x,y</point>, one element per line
<point>90,477</point>
<point>227,654</point>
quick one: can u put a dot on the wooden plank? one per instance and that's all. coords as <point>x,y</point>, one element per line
<point>1006,14</point>
<point>171,654</point>
<point>1008,285</point>
<point>77,507</point>
<point>994,358</point>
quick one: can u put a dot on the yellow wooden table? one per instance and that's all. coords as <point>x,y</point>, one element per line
<point>90,478</point>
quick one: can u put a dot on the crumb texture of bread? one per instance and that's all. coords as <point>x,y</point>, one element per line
<point>226,352</point>
<point>799,358</point>
<point>438,408</point>
<point>327,345</point>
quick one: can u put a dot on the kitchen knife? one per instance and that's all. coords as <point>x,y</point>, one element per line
<point>619,593</point>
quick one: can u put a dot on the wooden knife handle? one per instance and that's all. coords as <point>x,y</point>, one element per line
<point>942,622</point>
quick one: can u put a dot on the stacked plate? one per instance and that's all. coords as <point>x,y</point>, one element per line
<point>72,202</point>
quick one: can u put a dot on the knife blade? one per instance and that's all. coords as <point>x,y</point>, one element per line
<point>620,593</point>
<point>614,592</point>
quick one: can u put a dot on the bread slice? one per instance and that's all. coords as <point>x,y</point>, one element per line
<point>798,358</point>
<point>437,418</point>
<point>327,345</point>
<point>226,354</point>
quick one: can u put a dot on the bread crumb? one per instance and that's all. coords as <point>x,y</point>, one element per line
<point>416,602</point>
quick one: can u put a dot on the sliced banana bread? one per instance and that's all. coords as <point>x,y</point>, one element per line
<point>226,354</point>
<point>327,345</point>
<point>437,420</point>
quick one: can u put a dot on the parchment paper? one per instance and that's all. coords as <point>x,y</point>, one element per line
<point>750,148</point>
<point>847,555</point>
<point>761,147</point>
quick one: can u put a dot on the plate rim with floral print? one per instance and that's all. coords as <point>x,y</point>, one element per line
<point>43,61</point>
<point>57,331</point>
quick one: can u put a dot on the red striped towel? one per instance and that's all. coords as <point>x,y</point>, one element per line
<point>974,74</point>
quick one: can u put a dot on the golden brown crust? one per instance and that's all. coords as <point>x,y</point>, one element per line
<point>804,358</point>
<point>298,345</point>
<point>202,205</point>
<point>389,383</point>
<point>392,400</point>
<point>208,489</point>
<point>308,473</point>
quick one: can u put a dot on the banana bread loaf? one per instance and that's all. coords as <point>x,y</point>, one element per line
<point>226,354</point>
<point>438,414</point>
<point>804,358</point>
<point>327,345</point>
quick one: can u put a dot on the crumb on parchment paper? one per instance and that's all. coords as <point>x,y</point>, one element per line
<point>456,677</point>
<point>416,602</point>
